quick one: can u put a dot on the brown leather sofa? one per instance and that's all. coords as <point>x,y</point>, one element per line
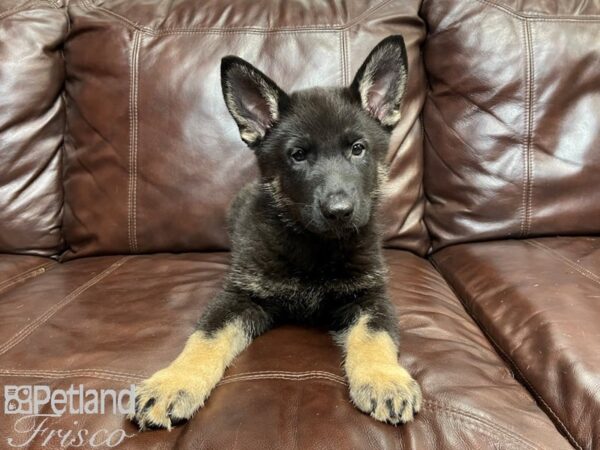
<point>118,160</point>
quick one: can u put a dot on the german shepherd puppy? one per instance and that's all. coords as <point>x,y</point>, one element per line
<point>305,244</point>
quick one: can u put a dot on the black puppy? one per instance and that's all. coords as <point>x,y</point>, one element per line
<point>305,245</point>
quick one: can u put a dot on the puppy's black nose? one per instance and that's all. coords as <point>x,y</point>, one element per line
<point>337,208</point>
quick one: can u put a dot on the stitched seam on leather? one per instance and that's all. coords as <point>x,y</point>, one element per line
<point>341,57</point>
<point>27,330</point>
<point>11,12</point>
<point>136,138</point>
<point>531,127</point>
<point>281,377</point>
<point>557,421</point>
<point>524,136</point>
<point>527,142</point>
<point>287,372</point>
<point>347,57</point>
<point>27,274</point>
<point>75,372</point>
<point>307,28</point>
<point>60,377</point>
<point>130,165</point>
<point>70,373</point>
<point>233,32</point>
<point>139,376</point>
<point>537,17</point>
<point>577,267</point>
<point>27,7</point>
<point>133,144</point>
<point>344,55</point>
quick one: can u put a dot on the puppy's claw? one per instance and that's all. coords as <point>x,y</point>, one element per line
<point>165,399</point>
<point>390,395</point>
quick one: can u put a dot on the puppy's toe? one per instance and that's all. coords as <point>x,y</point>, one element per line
<point>166,399</point>
<point>388,394</point>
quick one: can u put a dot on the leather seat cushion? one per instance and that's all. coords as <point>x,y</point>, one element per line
<point>111,321</point>
<point>539,301</point>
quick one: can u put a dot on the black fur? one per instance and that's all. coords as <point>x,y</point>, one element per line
<point>306,247</point>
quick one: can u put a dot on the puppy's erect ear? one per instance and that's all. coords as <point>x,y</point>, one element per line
<point>380,82</point>
<point>253,99</point>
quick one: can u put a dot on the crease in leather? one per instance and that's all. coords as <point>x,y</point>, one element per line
<point>453,170</point>
<point>494,434</point>
<point>471,100</point>
<point>454,132</point>
<point>442,161</point>
<point>308,28</point>
<point>574,265</point>
<point>35,324</point>
<point>25,275</point>
<point>505,433</point>
<point>513,365</point>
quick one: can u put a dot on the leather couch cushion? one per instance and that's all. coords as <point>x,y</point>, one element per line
<point>538,300</point>
<point>511,125</point>
<point>110,321</point>
<point>153,158</point>
<point>31,126</point>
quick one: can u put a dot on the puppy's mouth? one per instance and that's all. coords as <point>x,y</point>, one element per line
<point>313,221</point>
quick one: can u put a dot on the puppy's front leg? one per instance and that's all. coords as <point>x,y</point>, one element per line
<point>173,394</point>
<point>379,385</point>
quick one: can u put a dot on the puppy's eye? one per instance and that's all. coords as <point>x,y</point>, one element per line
<point>358,148</point>
<point>298,155</point>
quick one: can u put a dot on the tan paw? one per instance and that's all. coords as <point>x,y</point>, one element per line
<point>387,392</point>
<point>168,397</point>
<point>174,394</point>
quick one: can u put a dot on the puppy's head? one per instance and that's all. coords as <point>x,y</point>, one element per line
<point>321,151</point>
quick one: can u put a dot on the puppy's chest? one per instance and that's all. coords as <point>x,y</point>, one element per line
<point>307,285</point>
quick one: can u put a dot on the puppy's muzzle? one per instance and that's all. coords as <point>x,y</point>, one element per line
<point>337,208</point>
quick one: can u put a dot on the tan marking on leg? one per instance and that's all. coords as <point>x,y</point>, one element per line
<point>181,388</point>
<point>379,385</point>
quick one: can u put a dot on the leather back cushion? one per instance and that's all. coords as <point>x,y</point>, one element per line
<point>153,158</point>
<point>512,123</point>
<point>31,126</point>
